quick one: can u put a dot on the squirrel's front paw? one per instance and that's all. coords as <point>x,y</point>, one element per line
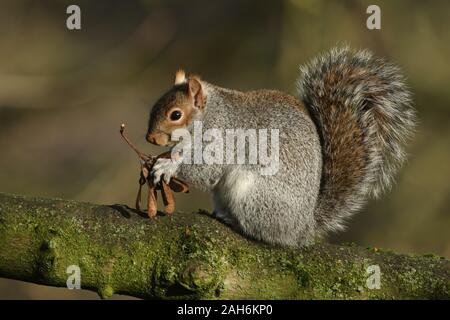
<point>165,168</point>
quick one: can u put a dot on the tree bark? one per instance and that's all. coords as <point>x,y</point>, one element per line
<point>193,256</point>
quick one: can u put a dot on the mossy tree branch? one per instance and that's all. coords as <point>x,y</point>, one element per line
<point>192,256</point>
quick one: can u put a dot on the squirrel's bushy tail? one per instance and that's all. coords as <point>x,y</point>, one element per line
<point>363,113</point>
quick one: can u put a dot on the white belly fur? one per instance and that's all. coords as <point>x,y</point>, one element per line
<point>231,189</point>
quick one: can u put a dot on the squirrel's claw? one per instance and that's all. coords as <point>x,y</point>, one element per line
<point>164,168</point>
<point>166,179</point>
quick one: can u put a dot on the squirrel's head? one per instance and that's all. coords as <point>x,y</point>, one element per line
<point>176,109</point>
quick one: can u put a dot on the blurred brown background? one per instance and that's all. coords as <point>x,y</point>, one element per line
<point>63,95</point>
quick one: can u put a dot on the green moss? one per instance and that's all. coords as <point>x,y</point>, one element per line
<point>106,292</point>
<point>434,256</point>
<point>192,256</point>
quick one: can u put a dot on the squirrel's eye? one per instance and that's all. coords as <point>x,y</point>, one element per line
<point>175,115</point>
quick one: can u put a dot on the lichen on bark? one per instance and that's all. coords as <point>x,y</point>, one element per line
<point>193,256</point>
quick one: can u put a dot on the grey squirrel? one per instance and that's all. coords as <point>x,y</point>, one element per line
<point>341,141</point>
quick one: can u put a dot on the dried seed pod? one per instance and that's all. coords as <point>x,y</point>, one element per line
<point>147,162</point>
<point>178,185</point>
<point>138,198</point>
<point>167,197</point>
<point>152,208</point>
<point>142,181</point>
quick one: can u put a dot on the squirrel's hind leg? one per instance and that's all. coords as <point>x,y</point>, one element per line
<point>264,208</point>
<point>222,213</point>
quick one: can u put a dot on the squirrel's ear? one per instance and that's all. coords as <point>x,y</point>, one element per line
<point>180,77</point>
<point>195,91</point>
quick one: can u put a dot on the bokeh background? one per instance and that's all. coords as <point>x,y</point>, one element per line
<point>63,95</point>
